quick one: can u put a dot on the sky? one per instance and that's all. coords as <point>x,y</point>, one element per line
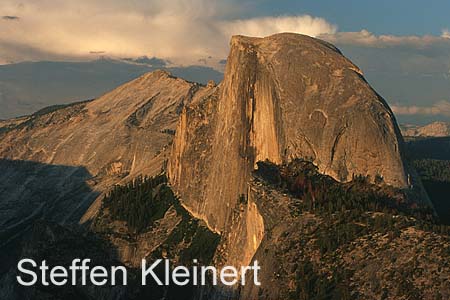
<point>407,40</point>
<point>399,17</point>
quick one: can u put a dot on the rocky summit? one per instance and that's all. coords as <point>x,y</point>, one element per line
<point>125,133</point>
<point>292,160</point>
<point>283,97</point>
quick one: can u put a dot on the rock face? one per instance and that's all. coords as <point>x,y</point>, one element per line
<point>435,129</point>
<point>57,161</point>
<point>283,97</point>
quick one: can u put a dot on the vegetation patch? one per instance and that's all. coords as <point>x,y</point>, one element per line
<point>435,175</point>
<point>140,202</point>
<point>339,234</point>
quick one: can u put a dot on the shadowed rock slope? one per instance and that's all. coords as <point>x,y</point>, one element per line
<point>59,164</point>
<point>122,134</point>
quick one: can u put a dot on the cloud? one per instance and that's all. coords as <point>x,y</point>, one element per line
<point>441,108</point>
<point>182,31</point>
<point>445,34</point>
<point>10,18</point>
<point>260,27</point>
<point>13,52</point>
<point>366,38</point>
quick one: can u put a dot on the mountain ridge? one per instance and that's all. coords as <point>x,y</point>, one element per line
<point>290,106</point>
<point>29,86</point>
<point>435,129</point>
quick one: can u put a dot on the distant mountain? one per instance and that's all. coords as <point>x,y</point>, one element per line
<point>29,86</point>
<point>435,129</point>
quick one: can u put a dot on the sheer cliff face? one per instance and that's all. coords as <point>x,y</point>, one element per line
<point>283,97</point>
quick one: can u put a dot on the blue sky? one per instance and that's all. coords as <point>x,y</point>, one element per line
<point>399,17</point>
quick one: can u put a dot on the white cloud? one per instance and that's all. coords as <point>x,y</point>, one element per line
<point>180,30</point>
<point>445,33</point>
<point>260,27</point>
<point>76,28</point>
<point>440,108</point>
<point>366,38</point>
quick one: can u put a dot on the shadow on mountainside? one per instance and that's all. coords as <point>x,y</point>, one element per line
<point>429,148</point>
<point>31,192</point>
<point>40,206</point>
<point>431,158</point>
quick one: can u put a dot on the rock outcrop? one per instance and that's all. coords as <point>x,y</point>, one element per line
<point>435,129</point>
<point>72,154</point>
<point>58,163</point>
<point>285,96</point>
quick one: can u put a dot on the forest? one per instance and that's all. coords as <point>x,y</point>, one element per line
<point>348,214</point>
<point>140,202</point>
<point>348,209</point>
<point>435,175</point>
